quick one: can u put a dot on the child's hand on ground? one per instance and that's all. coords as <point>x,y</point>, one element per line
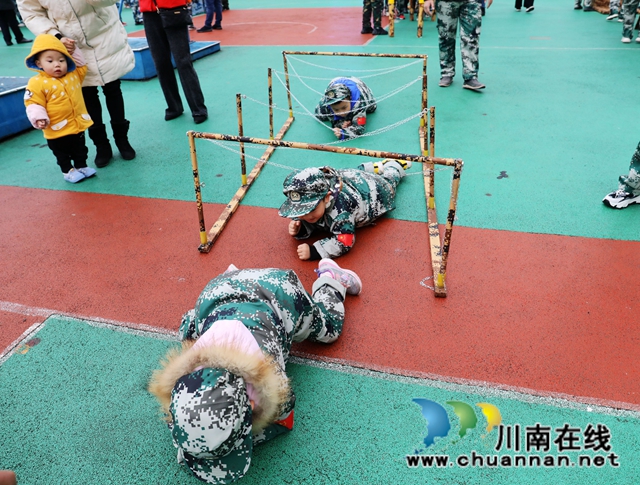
<point>337,132</point>
<point>70,44</point>
<point>294,228</point>
<point>304,252</point>
<point>41,124</point>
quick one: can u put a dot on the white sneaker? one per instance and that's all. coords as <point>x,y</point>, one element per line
<point>638,39</point>
<point>626,40</point>
<point>348,279</point>
<point>87,171</point>
<point>620,199</point>
<point>74,176</point>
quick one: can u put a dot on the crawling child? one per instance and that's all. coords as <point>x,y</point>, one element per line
<point>338,201</point>
<point>346,103</point>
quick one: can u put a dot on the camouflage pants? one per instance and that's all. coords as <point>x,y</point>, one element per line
<point>135,10</point>
<point>614,5</point>
<point>631,183</point>
<point>629,8</point>
<point>369,7</point>
<point>469,14</point>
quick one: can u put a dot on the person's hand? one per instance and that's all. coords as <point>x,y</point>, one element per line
<point>489,2</point>
<point>337,132</point>
<point>70,44</point>
<point>294,228</point>
<point>346,124</point>
<point>428,6</point>
<point>41,124</point>
<point>304,252</point>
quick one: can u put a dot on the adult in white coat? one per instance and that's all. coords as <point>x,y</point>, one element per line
<point>94,27</point>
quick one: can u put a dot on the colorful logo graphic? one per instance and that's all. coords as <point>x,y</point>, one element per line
<point>439,425</point>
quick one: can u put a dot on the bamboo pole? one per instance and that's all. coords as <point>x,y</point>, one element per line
<point>453,202</point>
<point>392,16</point>
<point>354,54</point>
<point>286,78</point>
<point>231,207</point>
<point>196,183</point>
<point>412,4</point>
<point>420,17</point>
<point>270,105</point>
<point>243,164</point>
<point>435,246</point>
<point>423,119</point>
<point>326,148</point>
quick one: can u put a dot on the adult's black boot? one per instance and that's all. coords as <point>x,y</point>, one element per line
<point>366,24</point>
<point>120,130</point>
<point>104,154</point>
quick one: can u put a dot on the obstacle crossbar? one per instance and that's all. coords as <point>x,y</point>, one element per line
<point>424,100</point>
<point>438,258</point>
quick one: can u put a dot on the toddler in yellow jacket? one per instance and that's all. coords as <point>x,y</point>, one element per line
<point>55,105</point>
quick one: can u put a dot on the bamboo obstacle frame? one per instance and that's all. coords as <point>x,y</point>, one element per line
<point>438,251</point>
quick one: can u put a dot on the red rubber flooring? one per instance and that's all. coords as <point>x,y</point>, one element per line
<point>552,322</point>
<point>284,26</point>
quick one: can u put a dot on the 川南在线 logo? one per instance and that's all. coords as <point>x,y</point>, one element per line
<point>439,425</point>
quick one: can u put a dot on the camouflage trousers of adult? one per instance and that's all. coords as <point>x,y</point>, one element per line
<point>375,7</point>
<point>631,183</point>
<point>629,9</point>
<point>468,13</point>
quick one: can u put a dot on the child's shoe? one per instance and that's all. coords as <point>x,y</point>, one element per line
<point>620,199</point>
<point>87,171</point>
<point>348,279</point>
<point>613,15</point>
<point>626,40</point>
<point>74,176</point>
<point>378,167</point>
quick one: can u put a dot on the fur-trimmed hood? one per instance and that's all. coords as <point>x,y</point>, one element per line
<point>265,375</point>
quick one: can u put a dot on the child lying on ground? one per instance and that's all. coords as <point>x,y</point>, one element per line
<point>345,103</point>
<point>338,201</point>
<point>228,391</point>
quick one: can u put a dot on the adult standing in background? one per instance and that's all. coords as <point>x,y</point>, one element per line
<point>469,13</point>
<point>94,27</point>
<point>164,40</point>
<point>9,22</point>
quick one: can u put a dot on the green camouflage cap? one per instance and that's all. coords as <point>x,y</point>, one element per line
<point>334,94</point>
<point>211,424</point>
<point>304,191</point>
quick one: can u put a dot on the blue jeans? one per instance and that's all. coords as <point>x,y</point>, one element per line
<point>212,6</point>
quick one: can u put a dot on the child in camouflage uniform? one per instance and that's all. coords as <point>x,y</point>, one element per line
<point>629,186</point>
<point>226,389</point>
<point>338,201</point>
<point>345,103</point>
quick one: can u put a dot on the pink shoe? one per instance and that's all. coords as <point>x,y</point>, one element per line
<point>348,279</point>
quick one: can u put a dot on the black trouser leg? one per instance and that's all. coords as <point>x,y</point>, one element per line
<point>97,132</point>
<point>8,21</point>
<point>115,101</point>
<point>92,102</point>
<point>67,148</point>
<point>179,43</point>
<point>161,54</point>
